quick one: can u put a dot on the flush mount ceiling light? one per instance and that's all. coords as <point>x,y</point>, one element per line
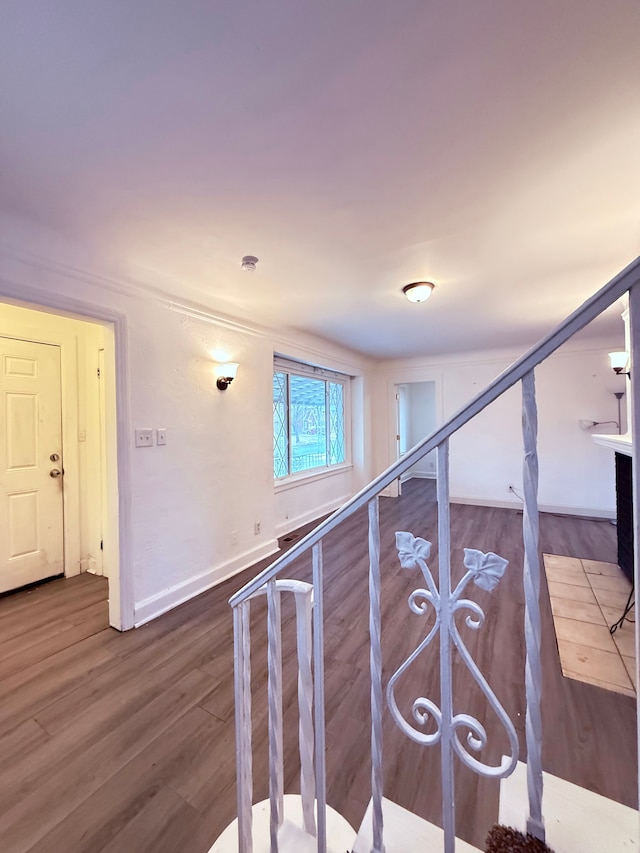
<point>249,263</point>
<point>418,291</point>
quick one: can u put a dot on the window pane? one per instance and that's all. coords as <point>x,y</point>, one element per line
<point>336,423</point>
<point>308,423</point>
<point>280,432</point>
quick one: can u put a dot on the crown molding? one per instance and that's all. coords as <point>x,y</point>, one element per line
<point>349,360</point>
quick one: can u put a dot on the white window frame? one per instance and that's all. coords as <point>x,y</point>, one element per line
<point>282,364</point>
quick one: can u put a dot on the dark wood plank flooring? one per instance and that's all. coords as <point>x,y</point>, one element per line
<point>124,743</point>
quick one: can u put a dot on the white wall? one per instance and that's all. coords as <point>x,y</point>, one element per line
<point>193,503</point>
<point>576,475</point>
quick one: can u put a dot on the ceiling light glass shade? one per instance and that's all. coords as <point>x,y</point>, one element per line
<point>618,360</point>
<point>418,291</point>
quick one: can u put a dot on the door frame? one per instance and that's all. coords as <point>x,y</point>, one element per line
<point>121,598</point>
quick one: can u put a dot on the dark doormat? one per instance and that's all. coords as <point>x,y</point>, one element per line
<point>504,839</point>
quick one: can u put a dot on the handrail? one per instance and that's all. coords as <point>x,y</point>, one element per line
<point>581,317</point>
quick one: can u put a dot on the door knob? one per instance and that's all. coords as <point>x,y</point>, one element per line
<point>54,472</point>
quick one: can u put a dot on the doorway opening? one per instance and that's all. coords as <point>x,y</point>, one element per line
<point>416,417</point>
<point>59,460</point>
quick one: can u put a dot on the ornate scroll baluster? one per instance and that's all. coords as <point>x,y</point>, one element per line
<point>485,570</point>
<point>318,666</point>
<point>532,629</point>
<point>414,552</point>
<point>274,652</point>
<point>376,674</point>
<point>242,689</point>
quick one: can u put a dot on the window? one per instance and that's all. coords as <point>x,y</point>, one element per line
<point>308,418</point>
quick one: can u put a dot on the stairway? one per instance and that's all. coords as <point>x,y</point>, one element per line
<point>576,820</point>
<point>292,838</point>
<point>405,832</point>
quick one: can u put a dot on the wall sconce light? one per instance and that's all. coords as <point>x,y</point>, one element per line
<point>418,291</point>
<point>620,361</point>
<point>226,374</point>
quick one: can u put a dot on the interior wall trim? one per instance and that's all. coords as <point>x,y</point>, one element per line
<point>353,362</point>
<point>161,602</point>
<point>582,511</point>
<point>121,606</point>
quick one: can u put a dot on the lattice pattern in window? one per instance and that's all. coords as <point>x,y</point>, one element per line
<point>280,430</point>
<point>336,423</point>
<point>308,423</point>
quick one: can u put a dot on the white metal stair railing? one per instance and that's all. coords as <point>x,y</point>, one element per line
<point>484,569</point>
<point>303,593</point>
<point>279,806</point>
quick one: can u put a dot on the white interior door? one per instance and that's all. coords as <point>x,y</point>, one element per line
<point>31,519</point>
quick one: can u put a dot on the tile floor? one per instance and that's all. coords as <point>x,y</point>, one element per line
<point>586,598</point>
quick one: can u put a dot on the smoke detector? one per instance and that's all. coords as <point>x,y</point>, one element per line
<point>249,263</point>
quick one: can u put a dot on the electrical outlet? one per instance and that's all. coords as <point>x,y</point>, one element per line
<point>144,437</point>
<point>234,537</point>
<point>161,436</point>
<point>257,528</point>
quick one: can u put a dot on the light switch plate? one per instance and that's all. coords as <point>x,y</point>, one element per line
<point>161,436</point>
<point>144,437</point>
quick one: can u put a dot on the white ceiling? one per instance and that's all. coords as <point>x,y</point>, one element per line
<point>491,146</point>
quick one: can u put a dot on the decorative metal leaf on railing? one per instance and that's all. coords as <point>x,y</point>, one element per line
<point>426,727</point>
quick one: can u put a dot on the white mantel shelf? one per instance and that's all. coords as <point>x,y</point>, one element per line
<point>619,443</point>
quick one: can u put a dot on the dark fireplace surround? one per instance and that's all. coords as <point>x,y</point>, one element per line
<point>624,509</point>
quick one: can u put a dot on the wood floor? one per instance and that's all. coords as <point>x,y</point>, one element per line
<point>124,743</point>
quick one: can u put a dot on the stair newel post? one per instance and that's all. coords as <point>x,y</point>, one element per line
<point>318,667</point>
<point>276,756</point>
<point>532,629</point>
<point>634,389</point>
<point>304,605</point>
<point>446,615</point>
<point>242,690</point>
<point>376,674</point>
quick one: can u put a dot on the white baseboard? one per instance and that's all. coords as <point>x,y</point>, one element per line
<point>290,524</point>
<point>155,605</point>
<point>418,475</point>
<point>587,512</point>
